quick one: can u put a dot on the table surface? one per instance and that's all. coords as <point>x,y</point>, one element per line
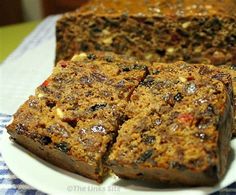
<point>11,36</point>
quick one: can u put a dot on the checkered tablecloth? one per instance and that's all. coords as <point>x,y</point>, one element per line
<point>9,183</point>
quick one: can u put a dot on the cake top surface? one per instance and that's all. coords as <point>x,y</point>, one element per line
<point>170,8</point>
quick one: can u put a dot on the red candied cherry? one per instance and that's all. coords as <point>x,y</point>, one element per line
<point>45,83</point>
<point>186,118</point>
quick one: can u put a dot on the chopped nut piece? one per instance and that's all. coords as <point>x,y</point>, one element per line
<point>170,51</point>
<point>106,32</point>
<point>79,57</point>
<point>198,49</point>
<point>40,95</point>
<point>174,127</point>
<point>148,56</point>
<point>186,24</point>
<point>182,79</point>
<point>108,40</point>
<point>59,113</point>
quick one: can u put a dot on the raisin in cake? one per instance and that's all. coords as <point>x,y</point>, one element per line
<point>179,128</point>
<point>74,116</point>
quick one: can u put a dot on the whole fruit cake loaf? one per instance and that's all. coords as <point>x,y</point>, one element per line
<point>178,129</point>
<point>198,31</point>
<point>74,116</point>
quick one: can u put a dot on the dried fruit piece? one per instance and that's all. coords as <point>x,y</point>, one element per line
<point>33,103</point>
<point>178,97</point>
<point>98,129</point>
<point>21,128</point>
<point>148,82</point>
<point>210,109</point>
<point>109,58</point>
<point>99,77</point>
<point>97,107</point>
<point>72,122</point>
<point>161,51</point>
<point>50,103</point>
<point>91,56</point>
<point>201,136</point>
<point>155,71</point>
<point>45,140</point>
<point>144,156</point>
<point>203,123</point>
<point>177,165</point>
<point>85,80</point>
<point>120,84</point>
<point>186,118</point>
<point>126,69</point>
<point>191,88</point>
<point>139,67</point>
<point>158,121</point>
<point>63,65</point>
<point>45,83</point>
<point>147,139</point>
<point>63,147</point>
<point>58,130</point>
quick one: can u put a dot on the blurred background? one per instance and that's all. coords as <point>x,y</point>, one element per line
<point>18,11</point>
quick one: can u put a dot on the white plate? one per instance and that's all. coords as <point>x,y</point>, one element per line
<point>53,180</point>
<point>27,75</point>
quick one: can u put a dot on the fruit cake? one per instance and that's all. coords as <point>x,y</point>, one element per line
<point>197,31</point>
<point>179,128</point>
<point>73,118</point>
